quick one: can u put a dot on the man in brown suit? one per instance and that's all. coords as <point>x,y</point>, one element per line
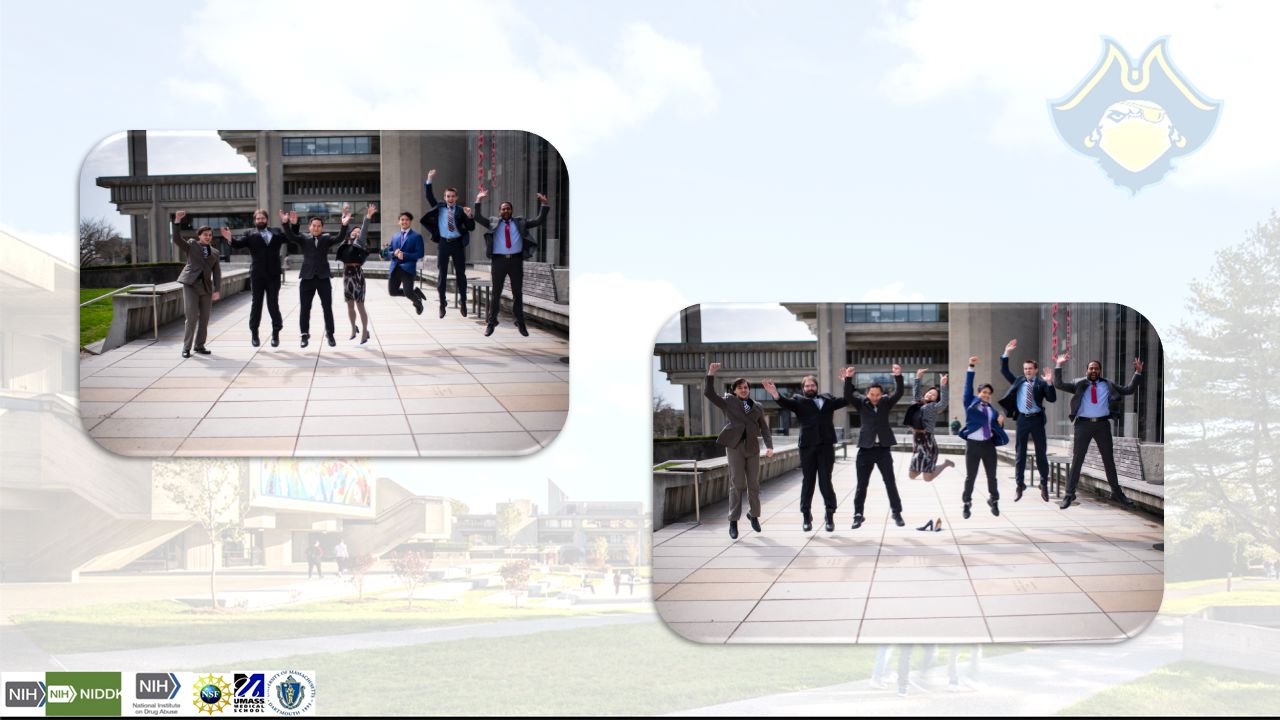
<point>745,426</point>
<point>200,277</point>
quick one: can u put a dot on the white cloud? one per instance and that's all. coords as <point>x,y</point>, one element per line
<point>504,68</point>
<point>1226,50</point>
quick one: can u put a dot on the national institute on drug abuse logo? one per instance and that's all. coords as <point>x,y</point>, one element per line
<point>1135,118</point>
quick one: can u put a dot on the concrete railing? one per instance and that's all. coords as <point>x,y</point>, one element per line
<point>133,313</point>
<point>673,488</point>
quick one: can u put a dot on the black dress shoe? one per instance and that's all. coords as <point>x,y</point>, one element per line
<point>254,339</point>
<point>755,523</point>
<point>417,306</point>
<point>329,337</point>
<point>443,307</point>
<point>733,529</point>
<point>808,522</point>
<point>186,353</point>
<point>831,521</point>
<point>417,292</point>
<point>202,350</point>
<point>523,330</point>
<point>897,518</point>
<point>275,338</point>
<point>1021,489</point>
<point>1066,502</point>
<point>927,527</point>
<point>967,512</point>
<point>306,338</point>
<point>489,330</point>
<point>1126,502</point>
<point>857,521</point>
<point>462,308</point>
<point>1044,490</point>
<point>995,507</point>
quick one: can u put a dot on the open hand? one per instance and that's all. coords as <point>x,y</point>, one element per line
<point>1138,365</point>
<point>1010,346</point>
<point>225,232</point>
<point>370,210</point>
<point>284,216</point>
<point>482,195</point>
<point>1047,375</point>
<point>942,381</point>
<point>1061,360</point>
<point>920,374</point>
<point>542,198</point>
<point>431,174</point>
<point>468,212</point>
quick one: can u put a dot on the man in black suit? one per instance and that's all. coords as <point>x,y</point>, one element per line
<point>1024,402</point>
<point>1094,402</point>
<point>508,244</point>
<point>264,246</point>
<point>450,226</point>
<point>875,437</point>
<point>817,443</point>
<point>314,275</point>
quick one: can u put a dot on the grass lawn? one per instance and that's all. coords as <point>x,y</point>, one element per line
<point>1265,594</point>
<point>1187,688</point>
<point>168,622</point>
<point>95,319</point>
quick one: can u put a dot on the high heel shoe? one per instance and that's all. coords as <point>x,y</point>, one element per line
<point>938,527</point>
<point>927,527</point>
<point>365,337</point>
<point>355,330</point>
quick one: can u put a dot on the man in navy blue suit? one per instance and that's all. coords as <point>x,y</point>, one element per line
<point>450,226</point>
<point>404,252</point>
<point>1024,402</point>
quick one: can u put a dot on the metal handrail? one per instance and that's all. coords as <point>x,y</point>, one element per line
<point>697,502</point>
<point>155,309</point>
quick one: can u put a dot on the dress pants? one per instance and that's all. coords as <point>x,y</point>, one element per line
<point>816,463</point>
<point>308,289</point>
<point>1031,427</point>
<point>1099,432</point>
<point>400,284</point>
<point>868,459</point>
<point>503,267</point>
<point>984,452</point>
<point>744,476</point>
<point>270,287</point>
<point>452,250</point>
<point>197,304</point>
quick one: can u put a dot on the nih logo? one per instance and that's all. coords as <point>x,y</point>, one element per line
<point>157,686</point>
<point>24,694</point>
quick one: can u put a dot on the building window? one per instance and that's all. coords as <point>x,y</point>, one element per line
<point>893,312</point>
<point>362,145</point>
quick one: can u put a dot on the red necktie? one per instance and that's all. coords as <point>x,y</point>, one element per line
<point>1093,392</point>
<point>508,227</point>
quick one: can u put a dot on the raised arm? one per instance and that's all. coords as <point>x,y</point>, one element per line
<point>1134,381</point>
<point>898,385</point>
<point>917,392</point>
<point>709,386</point>
<point>1004,362</point>
<point>783,402</point>
<point>850,394</point>
<point>178,241</point>
<point>289,224</point>
<point>1058,382</point>
<point>943,396</point>
<point>479,216</point>
<point>431,196</point>
<point>968,382</point>
<point>543,209</point>
<point>1050,394</point>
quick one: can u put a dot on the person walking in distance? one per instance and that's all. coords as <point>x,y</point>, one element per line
<point>1094,402</point>
<point>983,433</point>
<point>875,438</point>
<point>315,554</point>
<point>745,426</point>
<point>200,277</point>
<point>816,412</point>
<point>1024,401</point>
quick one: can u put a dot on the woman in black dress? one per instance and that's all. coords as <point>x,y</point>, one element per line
<point>352,255</point>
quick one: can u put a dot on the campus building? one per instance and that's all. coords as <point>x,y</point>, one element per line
<point>315,172</point>
<point>940,337</point>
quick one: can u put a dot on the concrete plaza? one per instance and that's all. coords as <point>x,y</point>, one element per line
<point>1036,573</point>
<point>421,387</point>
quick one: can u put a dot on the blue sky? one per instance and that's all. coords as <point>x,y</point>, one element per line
<point>719,153</point>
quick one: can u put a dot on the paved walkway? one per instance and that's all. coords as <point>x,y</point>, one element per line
<point>1035,573</point>
<point>421,387</point>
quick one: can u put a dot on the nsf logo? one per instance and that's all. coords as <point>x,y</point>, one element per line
<point>212,694</point>
<point>1134,118</point>
<point>292,692</point>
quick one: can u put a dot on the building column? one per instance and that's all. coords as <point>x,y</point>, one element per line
<point>277,548</point>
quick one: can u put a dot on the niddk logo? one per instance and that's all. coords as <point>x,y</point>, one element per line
<point>291,692</point>
<point>1135,118</point>
<point>82,693</point>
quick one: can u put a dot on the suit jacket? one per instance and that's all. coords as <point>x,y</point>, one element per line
<point>414,249</point>
<point>1043,391</point>
<point>817,426</point>
<point>1079,386</point>
<point>975,416</point>
<point>743,429</point>
<point>355,252</point>
<point>876,430</point>
<point>431,220</point>
<point>315,250</point>
<point>266,258</point>
<point>204,274</point>
<point>522,225</point>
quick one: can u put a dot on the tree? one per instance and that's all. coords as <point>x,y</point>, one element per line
<point>99,242</point>
<point>360,566</point>
<point>515,576</point>
<point>598,553</point>
<point>633,551</point>
<point>510,519</point>
<point>411,567</point>
<point>1222,438</point>
<point>457,507</point>
<point>210,494</point>
<point>667,421</point>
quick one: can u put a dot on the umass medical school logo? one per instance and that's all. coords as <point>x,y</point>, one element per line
<point>1135,118</point>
